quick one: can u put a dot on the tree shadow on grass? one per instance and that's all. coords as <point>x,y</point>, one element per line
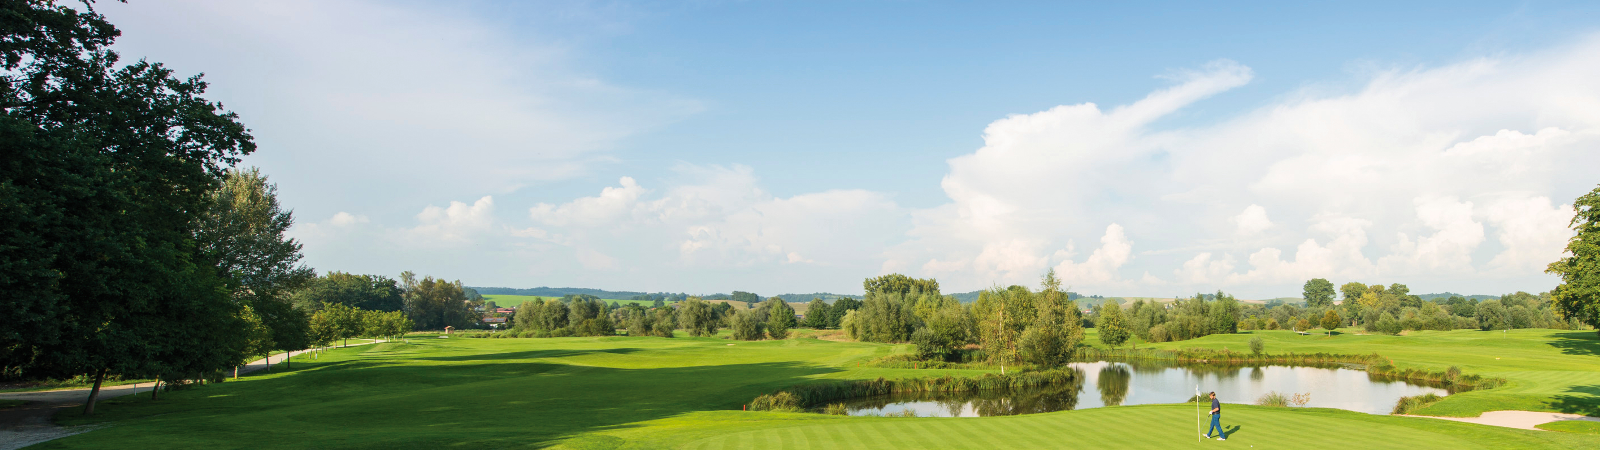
<point>1582,343</point>
<point>530,354</point>
<point>1586,401</point>
<point>473,401</point>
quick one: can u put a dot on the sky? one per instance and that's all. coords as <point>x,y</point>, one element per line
<point>1150,149</point>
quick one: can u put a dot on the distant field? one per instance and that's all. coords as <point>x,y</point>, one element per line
<point>511,301</point>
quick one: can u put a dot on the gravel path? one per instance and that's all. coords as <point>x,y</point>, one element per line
<point>1516,419</point>
<point>30,423</point>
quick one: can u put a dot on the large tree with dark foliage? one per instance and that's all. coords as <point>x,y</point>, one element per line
<point>1578,296</point>
<point>104,171</point>
<point>369,292</point>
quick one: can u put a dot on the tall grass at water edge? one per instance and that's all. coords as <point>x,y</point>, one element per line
<point>799,398</point>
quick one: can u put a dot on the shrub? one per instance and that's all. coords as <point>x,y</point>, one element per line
<point>1273,398</point>
<point>837,409</point>
<point>1272,324</point>
<point>1159,333</point>
<point>1257,345</point>
<point>1301,399</point>
<point>1408,404</point>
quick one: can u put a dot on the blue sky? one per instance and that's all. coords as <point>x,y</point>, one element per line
<point>1152,149</point>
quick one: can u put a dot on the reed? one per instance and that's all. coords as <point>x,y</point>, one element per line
<point>805,396</point>
<point>1408,404</point>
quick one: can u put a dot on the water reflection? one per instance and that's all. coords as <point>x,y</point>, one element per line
<point>1146,383</point>
<point>1113,384</point>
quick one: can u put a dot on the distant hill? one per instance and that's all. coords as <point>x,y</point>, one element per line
<point>556,292</point>
<point>969,297</point>
<point>1452,294</point>
<point>806,298</point>
<point>624,295</point>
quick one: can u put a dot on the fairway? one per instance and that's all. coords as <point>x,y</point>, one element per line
<point>622,392</point>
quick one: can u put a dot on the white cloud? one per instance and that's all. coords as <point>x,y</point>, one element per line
<point>1533,232</point>
<point>613,203</point>
<point>1252,221</point>
<point>405,91</point>
<point>457,223</point>
<point>344,219</point>
<point>1100,269</point>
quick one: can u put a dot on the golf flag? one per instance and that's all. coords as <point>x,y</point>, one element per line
<point>1197,433</point>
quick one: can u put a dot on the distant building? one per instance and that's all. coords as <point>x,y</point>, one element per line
<point>494,320</point>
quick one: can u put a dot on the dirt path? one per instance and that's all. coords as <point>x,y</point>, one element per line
<point>30,423</point>
<point>1516,419</point>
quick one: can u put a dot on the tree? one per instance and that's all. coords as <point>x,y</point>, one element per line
<point>1257,345</point>
<point>1330,321</point>
<point>435,304</point>
<point>780,318</point>
<point>695,316</point>
<point>369,292</point>
<point>1578,295</point>
<point>1000,323</point>
<point>886,317</point>
<point>841,307</point>
<point>747,325</point>
<point>1055,332</point>
<point>1224,314</point>
<point>242,236</point>
<point>895,283</point>
<point>343,321</point>
<point>664,322</point>
<point>1113,328</point>
<point>816,314</point>
<point>258,337</point>
<point>747,298</point>
<point>1493,316</point>
<point>104,173</point>
<point>1352,291</point>
<point>946,332</point>
<point>1318,293</point>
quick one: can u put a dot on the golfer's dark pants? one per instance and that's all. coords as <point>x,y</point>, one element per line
<point>1216,425</point>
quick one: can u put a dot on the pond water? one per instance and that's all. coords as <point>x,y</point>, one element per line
<point>1116,383</point>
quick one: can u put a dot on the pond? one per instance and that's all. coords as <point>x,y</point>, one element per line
<point>1115,383</point>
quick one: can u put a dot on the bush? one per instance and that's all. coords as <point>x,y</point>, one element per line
<point>1273,399</point>
<point>1159,333</point>
<point>1257,345</point>
<point>836,409</point>
<point>1408,404</point>
<point>1272,324</point>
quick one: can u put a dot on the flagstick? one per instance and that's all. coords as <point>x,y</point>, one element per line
<point>1197,413</point>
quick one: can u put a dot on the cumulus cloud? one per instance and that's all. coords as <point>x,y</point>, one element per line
<point>1252,221</point>
<point>1439,177</point>
<point>1403,180</point>
<point>457,223</point>
<point>1100,268</point>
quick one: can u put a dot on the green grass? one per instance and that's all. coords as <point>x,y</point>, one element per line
<point>641,393</point>
<point>1572,426</point>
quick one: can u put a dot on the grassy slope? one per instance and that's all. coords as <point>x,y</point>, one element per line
<point>1549,370</point>
<point>684,393</point>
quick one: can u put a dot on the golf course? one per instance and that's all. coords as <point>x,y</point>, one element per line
<point>683,392</point>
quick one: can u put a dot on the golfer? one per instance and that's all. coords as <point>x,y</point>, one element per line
<point>1216,419</point>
